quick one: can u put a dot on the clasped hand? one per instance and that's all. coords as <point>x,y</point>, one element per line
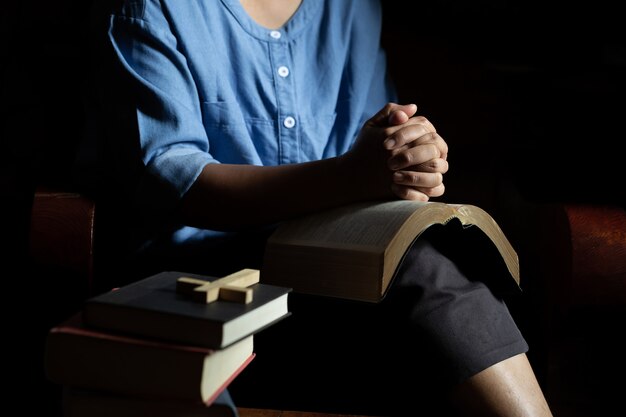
<point>400,153</point>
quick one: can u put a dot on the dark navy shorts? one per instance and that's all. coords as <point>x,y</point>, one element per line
<point>435,328</point>
<point>468,327</point>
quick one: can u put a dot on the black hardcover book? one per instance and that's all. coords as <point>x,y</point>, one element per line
<point>152,308</point>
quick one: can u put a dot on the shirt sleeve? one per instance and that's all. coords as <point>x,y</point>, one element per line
<point>170,136</point>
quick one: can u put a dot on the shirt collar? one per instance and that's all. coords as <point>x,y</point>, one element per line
<point>296,24</point>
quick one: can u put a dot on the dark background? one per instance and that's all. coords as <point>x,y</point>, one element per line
<point>524,91</point>
<point>529,96</point>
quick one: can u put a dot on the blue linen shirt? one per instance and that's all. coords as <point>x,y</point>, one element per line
<point>210,85</point>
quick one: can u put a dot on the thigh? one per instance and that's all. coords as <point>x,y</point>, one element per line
<point>461,320</point>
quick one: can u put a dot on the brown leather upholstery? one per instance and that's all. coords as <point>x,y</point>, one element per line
<point>598,254</point>
<point>62,233</point>
<point>581,249</point>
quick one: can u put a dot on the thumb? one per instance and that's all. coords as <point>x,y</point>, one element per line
<point>398,117</point>
<point>393,114</point>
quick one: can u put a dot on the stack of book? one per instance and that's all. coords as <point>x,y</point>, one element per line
<point>162,346</point>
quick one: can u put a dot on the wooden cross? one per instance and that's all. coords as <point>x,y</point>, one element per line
<point>232,287</point>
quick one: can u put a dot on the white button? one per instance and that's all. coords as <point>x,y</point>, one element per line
<point>275,34</point>
<point>289,122</point>
<point>283,71</point>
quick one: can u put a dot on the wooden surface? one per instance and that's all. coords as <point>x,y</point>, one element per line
<point>254,412</point>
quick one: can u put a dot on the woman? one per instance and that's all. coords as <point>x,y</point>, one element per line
<point>217,119</point>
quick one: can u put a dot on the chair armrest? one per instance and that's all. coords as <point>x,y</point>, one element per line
<point>61,233</point>
<point>584,254</point>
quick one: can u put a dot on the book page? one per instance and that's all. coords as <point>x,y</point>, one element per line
<point>353,251</point>
<point>361,225</point>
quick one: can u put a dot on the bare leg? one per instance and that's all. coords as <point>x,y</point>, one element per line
<point>507,389</point>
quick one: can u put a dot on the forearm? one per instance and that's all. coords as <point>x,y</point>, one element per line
<point>229,197</point>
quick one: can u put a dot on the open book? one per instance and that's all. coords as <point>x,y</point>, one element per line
<point>354,251</point>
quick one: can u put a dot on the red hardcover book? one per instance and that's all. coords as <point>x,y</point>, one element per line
<point>81,357</point>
